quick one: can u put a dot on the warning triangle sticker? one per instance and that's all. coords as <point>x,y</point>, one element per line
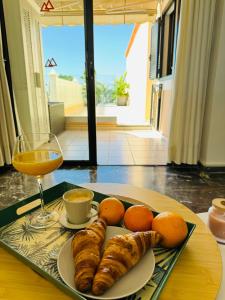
<point>50,63</point>
<point>44,7</point>
<point>47,63</point>
<point>49,5</point>
<point>53,62</point>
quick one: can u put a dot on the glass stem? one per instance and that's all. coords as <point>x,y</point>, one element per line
<point>39,180</point>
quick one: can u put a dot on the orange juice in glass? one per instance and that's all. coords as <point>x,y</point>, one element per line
<point>38,154</point>
<point>37,162</point>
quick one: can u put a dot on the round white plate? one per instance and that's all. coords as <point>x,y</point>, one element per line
<point>130,283</point>
<point>63,220</point>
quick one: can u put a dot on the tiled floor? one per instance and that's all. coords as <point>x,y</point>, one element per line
<point>117,147</point>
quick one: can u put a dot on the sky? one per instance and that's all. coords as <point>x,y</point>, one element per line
<point>66,45</point>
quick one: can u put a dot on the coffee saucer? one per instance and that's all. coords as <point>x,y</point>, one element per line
<point>63,220</point>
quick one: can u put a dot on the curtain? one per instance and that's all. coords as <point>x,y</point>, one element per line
<point>7,128</point>
<point>190,81</point>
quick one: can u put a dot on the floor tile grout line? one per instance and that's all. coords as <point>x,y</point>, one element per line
<point>123,141</point>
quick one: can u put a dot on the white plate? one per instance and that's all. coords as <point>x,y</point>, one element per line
<point>130,283</point>
<point>63,220</point>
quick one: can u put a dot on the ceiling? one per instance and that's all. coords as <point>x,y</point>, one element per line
<point>70,12</point>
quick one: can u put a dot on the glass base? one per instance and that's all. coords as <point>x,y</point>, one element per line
<point>44,219</point>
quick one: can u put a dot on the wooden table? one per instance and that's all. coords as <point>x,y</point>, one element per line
<point>221,294</point>
<point>196,275</point>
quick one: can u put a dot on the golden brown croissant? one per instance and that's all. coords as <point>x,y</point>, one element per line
<point>86,247</point>
<point>122,252</point>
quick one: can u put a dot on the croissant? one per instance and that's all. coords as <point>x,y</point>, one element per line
<point>122,252</point>
<point>86,248</point>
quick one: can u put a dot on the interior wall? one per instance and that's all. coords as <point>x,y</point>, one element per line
<point>213,139</point>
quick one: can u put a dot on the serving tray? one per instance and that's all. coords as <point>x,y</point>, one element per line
<point>39,248</point>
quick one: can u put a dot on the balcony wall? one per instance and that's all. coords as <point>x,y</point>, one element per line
<point>69,92</point>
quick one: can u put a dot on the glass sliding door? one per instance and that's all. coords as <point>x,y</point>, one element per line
<point>53,72</point>
<point>112,35</point>
<point>69,78</point>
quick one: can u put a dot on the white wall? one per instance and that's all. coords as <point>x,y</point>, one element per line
<point>213,138</point>
<point>137,61</point>
<point>69,92</point>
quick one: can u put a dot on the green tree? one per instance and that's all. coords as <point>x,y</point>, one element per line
<point>103,93</point>
<point>66,77</point>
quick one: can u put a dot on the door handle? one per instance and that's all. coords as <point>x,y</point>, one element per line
<point>91,70</point>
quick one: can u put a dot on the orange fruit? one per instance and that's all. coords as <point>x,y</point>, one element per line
<point>112,210</point>
<point>172,227</point>
<point>138,218</point>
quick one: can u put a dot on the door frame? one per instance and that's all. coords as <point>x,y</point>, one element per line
<point>90,81</point>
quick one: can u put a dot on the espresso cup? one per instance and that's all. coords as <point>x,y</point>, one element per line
<point>78,203</point>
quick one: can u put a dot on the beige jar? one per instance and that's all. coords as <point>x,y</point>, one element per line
<point>216,220</point>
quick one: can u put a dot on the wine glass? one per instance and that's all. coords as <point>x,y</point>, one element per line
<point>38,154</point>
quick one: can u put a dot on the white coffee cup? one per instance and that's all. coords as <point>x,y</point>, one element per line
<point>78,203</point>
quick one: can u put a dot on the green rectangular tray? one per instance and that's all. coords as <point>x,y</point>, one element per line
<point>39,248</point>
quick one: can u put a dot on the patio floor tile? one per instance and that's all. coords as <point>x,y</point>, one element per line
<point>117,147</point>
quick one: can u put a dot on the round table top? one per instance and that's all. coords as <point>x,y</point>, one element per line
<point>221,294</point>
<point>196,275</point>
